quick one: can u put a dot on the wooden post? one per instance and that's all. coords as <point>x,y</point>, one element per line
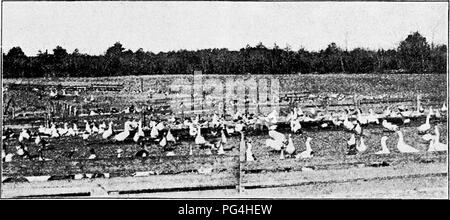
<point>242,149</point>
<point>142,85</point>
<point>355,101</point>
<point>257,96</point>
<point>418,102</point>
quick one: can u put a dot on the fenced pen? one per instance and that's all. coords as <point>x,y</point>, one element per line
<point>160,175</point>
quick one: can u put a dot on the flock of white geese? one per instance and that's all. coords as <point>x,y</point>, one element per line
<point>279,142</point>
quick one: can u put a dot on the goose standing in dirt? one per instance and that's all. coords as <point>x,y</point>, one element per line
<point>389,126</point>
<point>170,137</point>
<point>124,134</point>
<point>402,146</point>
<point>372,118</point>
<point>38,139</point>
<point>87,127</point>
<point>94,128</point>
<point>63,131</point>
<point>192,130</point>
<point>290,148</point>
<point>277,142</point>
<point>108,133</point>
<point>248,152</point>
<point>384,148</point>
<point>154,133</point>
<point>351,145</point>
<point>71,132</point>
<point>75,128</point>
<point>86,135</point>
<point>139,133</point>
<point>435,145</point>
<point>25,134</point>
<point>308,153</point>
<point>102,128</point>
<point>362,147</point>
<point>347,124</point>
<point>199,139</point>
<point>295,125</point>
<point>54,132</point>
<point>425,127</point>
<point>444,107</point>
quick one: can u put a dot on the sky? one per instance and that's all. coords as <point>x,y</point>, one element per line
<point>92,27</point>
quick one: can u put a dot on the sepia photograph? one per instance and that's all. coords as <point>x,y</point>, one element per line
<point>235,100</point>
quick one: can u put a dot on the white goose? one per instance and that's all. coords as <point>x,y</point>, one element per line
<point>352,140</point>
<point>139,133</point>
<point>308,152</point>
<point>272,117</point>
<point>163,142</point>
<point>402,146</point>
<point>425,127</point>
<point>295,125</point>
<point>54,132</point>
<point>384,148</point>
<point>215,120</point>
<point>42,129</point>
<point>123,135</point>
<point>102,128</point>
<point>224,137</point>
<point>170,137</point>
<point>37,140</point>
<point>436,145</point>
<point>75,128</point>
<point>87,127</point>
<point>154,133</point>
<point>24,135</point>
<point>358,128</point>
<point>347,124</point>
<point>444,107</point>
<point>220,151</point>
<point>160,126</point>
<point>438,113</point>
<point>192,130</point>
<point>63,131</point>
<point>362,146</point>
<point>199,139</point>
<point>277,142</point>
<point>108,132</point>
<point>362,119</point>
<point>239,127</point>
<point>86,135</point>
<point>389,126</point>
<point>71,132</point>
<point>53,94</point>
<point>94,128</point>
<point>372,118</point>
<point>290,148</point>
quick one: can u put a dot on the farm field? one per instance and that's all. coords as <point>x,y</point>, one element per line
<point>162,98</point>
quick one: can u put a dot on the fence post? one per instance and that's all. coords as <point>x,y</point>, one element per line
<point>242,146</point>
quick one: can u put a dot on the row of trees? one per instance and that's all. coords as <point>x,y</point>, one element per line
<point>414,54</point>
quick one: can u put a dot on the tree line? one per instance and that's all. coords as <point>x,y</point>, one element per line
<point>413,55</point>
